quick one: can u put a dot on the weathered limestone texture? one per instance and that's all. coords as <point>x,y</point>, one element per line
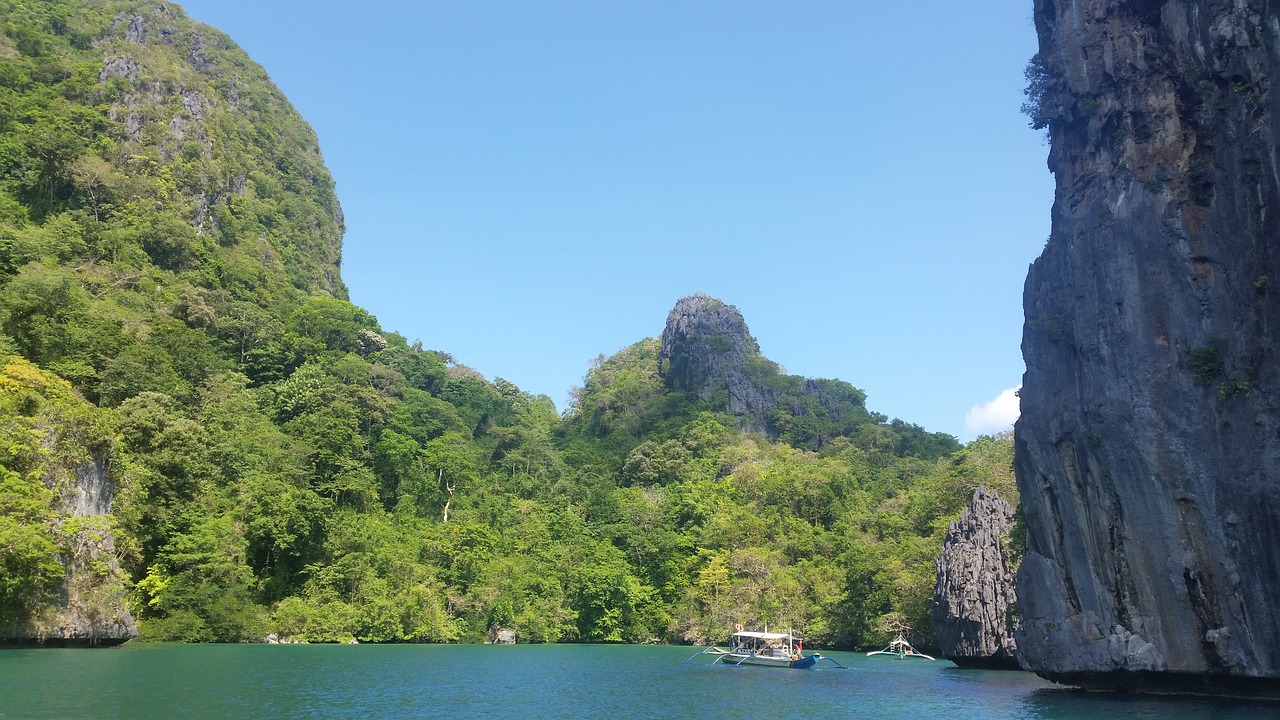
<point>973,599</point>
<point>502,636</point>
<point>708,352</point>
<point>91,610</point>
<point>705,349</point>
<point>1148,451</point>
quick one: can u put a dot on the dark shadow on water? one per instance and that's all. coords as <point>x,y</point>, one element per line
<point>1072,704</point>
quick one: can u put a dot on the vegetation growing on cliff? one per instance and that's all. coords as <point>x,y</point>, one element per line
<point>46,432</point>
<point>169,245</point>
<point>1038,105</point>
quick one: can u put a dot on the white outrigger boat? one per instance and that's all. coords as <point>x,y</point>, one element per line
<point>753,647</point>
<point>900,648</point>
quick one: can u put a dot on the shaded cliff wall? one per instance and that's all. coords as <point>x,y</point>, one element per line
<point>1148,451</point>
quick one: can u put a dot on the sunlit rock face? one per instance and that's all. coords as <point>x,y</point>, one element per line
<point>974,609</point>
<point>706,348</point>
<point>1148,451</point>
<point>90,609</point>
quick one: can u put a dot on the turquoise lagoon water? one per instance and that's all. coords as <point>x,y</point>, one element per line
<point>528,682</point>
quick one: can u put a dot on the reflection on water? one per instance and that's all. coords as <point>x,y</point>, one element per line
<point>1056,704</point>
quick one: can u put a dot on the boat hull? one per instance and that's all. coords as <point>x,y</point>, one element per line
<point>800,663</point>
<point>900,655</point>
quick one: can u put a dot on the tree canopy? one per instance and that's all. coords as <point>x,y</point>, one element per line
<point>170,299</point>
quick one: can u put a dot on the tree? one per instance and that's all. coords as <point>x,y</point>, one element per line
<point>450,458</point>
<point>199,589</point>
<point>331,324</point>
<point>29,571</point>
<point>36,307</point>
<point>248,327</point>
<point>139,368</point>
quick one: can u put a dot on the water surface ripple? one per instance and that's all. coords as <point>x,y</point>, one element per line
<point>532,682</point>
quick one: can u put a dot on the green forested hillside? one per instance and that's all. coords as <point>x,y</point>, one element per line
<point>169,246</point>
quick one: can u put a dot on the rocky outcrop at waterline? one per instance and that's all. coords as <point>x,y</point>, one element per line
<point>62,585</point>
<point>974,608</point>
<point>1148,450</point>
<point>89,608</point>
<point>502,636</point>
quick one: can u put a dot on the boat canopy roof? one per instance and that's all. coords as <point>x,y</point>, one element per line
<point>764,635</point>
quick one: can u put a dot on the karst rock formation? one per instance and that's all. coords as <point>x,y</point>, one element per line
<point>973,598</point>
<point>705,348</point>
<point>1148,451</point>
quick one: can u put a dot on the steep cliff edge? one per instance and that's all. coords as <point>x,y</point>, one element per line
<point>1147,451</point>
<point>973,598</point>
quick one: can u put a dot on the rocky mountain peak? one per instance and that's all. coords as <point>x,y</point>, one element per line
<point>706,348</point>
<point>704,342</point>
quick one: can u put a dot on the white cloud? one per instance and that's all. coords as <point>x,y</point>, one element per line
<point>994,416</point>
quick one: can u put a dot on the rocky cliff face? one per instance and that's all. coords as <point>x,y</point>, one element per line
<point>973,599</point>
<point>1149,444</point>
<point>706,348</point>
<point>92,609</point>
<point>55,511</point>
<point>707,352</point>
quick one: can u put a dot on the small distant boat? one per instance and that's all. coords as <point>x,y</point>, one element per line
<point>764,648</point>
<point>900,648</point>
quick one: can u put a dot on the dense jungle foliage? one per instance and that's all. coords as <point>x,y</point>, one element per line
<point>170,302</point>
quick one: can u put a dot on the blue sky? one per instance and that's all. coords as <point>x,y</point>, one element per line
<point>528,185</point>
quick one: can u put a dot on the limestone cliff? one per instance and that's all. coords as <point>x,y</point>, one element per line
<point>706,348</point>
<point>1149,445</point>
<point>91,609</point>
<point>187,98</point>
<point>708,352</point>
<point>63,585</point>
<point>973,598</point>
